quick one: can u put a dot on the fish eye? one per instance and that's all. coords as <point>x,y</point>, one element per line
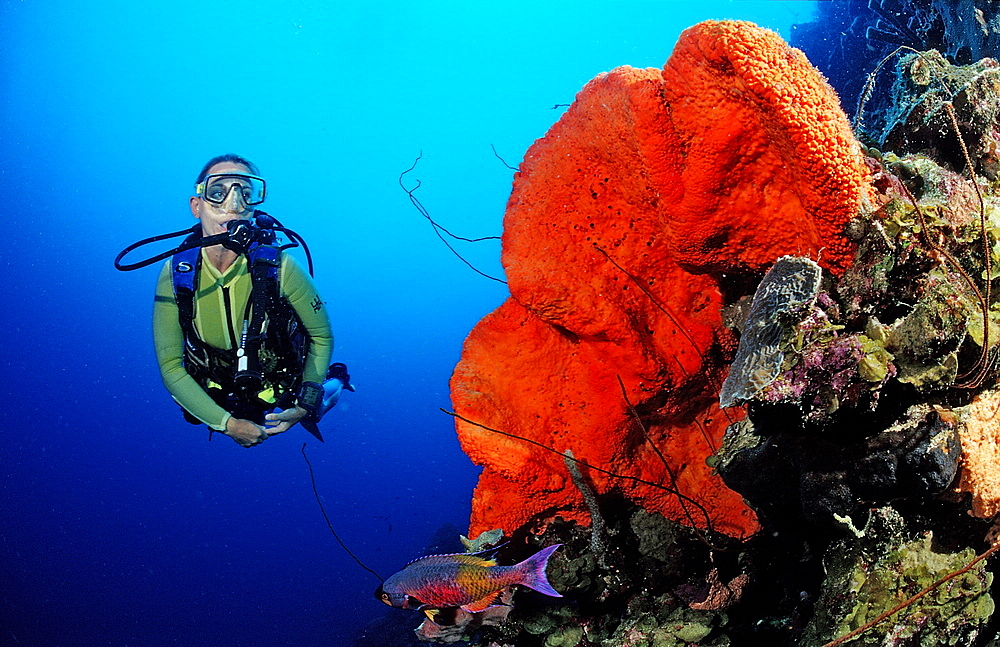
<point>385,598</point>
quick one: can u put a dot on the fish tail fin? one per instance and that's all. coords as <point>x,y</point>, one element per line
<point>533,572</point>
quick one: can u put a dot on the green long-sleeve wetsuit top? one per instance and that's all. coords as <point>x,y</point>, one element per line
<point>217,329</point>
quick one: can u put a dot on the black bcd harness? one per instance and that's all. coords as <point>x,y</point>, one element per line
<point>264,370</point>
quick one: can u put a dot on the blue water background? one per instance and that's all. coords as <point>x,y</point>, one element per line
<point>119,523</point>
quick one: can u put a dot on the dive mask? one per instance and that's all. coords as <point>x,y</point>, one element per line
<point>216,188</point>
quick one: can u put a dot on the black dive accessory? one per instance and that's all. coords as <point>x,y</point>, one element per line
<point>264,262</point>
<point>216,188</point>
<point>310,398</point>
<point>338,370</point>
<point>238,237</point>
<point>240,234</point>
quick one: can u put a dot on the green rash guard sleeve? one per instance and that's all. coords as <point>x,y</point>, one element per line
<point>300,291</point>
<point>168,339</point>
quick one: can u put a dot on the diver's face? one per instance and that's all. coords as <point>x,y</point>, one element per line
<point>214,217</point>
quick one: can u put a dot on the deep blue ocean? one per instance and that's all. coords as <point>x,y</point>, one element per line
<point>120,524</point>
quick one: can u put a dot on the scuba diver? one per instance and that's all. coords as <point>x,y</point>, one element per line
<point>242,338</point>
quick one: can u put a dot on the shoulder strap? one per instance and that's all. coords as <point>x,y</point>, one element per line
<point>268,254</point>
<point>264,261</point>
<point>185,279</point>
<point>201,361</point>
<point>274,326</point>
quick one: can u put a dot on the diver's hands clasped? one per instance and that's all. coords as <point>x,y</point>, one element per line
<point>248,433</point>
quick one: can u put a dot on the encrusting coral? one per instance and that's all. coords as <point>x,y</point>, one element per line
<point>654,193</point>
<point>877,571</point>
<point>860,412</point>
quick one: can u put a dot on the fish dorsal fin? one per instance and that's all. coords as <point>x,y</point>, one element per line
<point>475,560</point>
<point>471,559</point>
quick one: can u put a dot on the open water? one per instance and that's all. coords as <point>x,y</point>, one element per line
<point>120,524</point>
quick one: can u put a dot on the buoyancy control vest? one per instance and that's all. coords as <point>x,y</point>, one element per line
<point>265,370</point>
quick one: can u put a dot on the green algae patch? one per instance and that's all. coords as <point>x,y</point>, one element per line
<point>679,628</point>
<point>564,637</point>
<point>925,342</point>
<point>657,537</point>
<point>876,363</point>
<point>879,571</point>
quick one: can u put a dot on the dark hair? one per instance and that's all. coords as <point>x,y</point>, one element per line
<point>228,157</point>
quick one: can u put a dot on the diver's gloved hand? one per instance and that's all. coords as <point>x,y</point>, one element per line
<point>245,432</point>
<point>276,423</point>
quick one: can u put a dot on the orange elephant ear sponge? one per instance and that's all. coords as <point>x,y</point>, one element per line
<point>762,161</point>
<point>622,219</point>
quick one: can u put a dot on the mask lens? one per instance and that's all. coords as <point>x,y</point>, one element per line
<point>217,187</point>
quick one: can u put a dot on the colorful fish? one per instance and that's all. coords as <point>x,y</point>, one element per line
<point>470,581</point>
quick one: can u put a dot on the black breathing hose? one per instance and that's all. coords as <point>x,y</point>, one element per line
<point>159,257</point>
<point>263,221</point>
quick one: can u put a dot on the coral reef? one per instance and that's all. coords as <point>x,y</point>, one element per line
<point>785,475</point>
<point>659,588</point>
<point>848,39</point>
<point>870,443</point>
<point>966,31</point>
<point>919,121</point>
<point>861,413</point>
<point>882,398</point>
<point>881,569</point>
<point>655,194</point>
